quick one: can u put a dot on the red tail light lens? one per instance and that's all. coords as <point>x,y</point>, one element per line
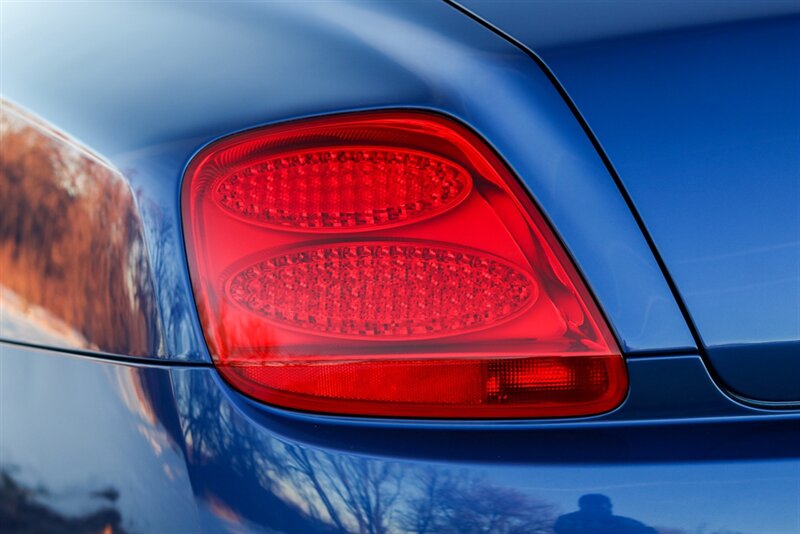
<point>382,289</point>
<point>341,188</point>
<point>389,264</point>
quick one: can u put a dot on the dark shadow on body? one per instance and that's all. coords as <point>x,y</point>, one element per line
<point>24,510</point>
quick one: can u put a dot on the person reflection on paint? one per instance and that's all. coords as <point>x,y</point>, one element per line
<point>595,517</point>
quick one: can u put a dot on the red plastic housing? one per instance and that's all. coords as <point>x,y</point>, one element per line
<point>389,264</point>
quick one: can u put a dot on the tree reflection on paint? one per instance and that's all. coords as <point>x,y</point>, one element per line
<point>296,487</point>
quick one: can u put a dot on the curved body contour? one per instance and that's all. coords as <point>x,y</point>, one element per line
<point>117,411</point>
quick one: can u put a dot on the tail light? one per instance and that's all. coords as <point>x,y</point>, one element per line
<point>389,264</point>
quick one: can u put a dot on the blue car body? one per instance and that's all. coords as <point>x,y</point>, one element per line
<point>664,151</point>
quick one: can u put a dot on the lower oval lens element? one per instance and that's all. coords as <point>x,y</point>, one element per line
<point>383,290</point>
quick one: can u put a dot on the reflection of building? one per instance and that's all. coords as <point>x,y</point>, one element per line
<point>22,320</point>
<point>72,253</point>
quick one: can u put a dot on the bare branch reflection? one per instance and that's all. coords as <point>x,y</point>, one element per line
<point>460,502</point>
<point>321,490</point>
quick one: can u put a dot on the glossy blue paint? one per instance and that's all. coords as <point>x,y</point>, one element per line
<point>158,446</point>
<point>183,452</point>
<point>547,25</point>
<point>233,68</point>
<point>706,138</point>
<point>81,429</point>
